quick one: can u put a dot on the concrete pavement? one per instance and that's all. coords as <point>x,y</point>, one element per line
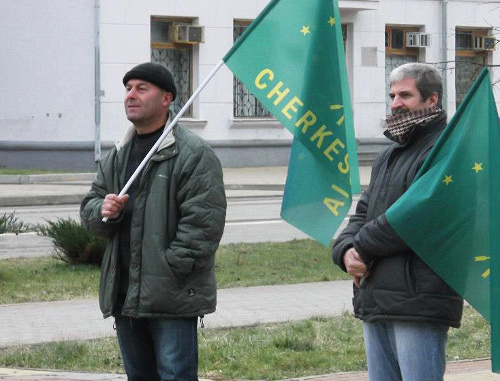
<point>80,319</point>
<point>53,189</point>
<point>31,323</point>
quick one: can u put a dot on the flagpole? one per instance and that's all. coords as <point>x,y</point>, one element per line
<point>167,131</point>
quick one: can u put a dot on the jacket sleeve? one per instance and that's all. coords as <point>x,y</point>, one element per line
<point>346,239</point>
<point>201,201</point>
<point>377,238</point>
<point>90,207</point>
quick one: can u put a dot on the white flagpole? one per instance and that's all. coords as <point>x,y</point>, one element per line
<point>167,131</point>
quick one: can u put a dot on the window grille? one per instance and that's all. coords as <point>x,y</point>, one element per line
<point>245,105</point>
<point>179,63</point>
<point>176,57</point>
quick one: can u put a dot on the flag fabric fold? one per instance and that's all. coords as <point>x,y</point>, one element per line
<point>292,59</point>
<point>450,215</point>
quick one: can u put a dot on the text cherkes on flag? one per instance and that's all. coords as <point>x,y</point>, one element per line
<point>292,59</point>
<point>450,215</point>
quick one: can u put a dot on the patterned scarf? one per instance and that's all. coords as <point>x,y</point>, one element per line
<point>400,125</point>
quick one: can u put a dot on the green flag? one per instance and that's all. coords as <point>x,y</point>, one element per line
<point>450,215</point>
<point>292,59</point>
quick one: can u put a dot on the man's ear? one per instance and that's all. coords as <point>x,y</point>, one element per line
<point>433,98</point>
<point>167,98</point>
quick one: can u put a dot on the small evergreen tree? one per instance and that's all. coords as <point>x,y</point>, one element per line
<point>73,243</point>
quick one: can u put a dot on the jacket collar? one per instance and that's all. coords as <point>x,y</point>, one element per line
<point>130,133</point>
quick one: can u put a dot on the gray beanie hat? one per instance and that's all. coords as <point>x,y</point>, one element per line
<point>155,73</point>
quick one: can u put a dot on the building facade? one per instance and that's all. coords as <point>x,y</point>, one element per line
<point>63,63</point>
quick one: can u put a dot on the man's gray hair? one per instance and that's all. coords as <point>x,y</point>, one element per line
<point>427,79</point>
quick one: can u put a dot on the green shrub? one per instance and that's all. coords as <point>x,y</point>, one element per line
<point>73,243</point>
<point>10,224</point>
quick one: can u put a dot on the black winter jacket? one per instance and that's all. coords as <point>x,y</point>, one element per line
<point>400,285</point>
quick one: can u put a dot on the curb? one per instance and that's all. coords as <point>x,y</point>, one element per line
<point>19,201</point>
<point>47,178</point>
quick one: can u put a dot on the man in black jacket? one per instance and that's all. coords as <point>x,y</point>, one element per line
<point>405,307</point>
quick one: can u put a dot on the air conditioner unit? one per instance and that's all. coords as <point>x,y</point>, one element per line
<point>188,34</point>
<point>478,42</point>
<point>490,43</point>
<point>418,40</point>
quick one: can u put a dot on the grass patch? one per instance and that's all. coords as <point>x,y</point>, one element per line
<point>259,264</point>
<point>472,339</point>
<point>100,355</point>
<point>269,351</point>
<point>46,279</point>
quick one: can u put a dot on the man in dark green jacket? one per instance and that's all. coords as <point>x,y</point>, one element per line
<point>157,275</point>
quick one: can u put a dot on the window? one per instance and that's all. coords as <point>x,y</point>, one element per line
<point>245,105</point>
<point>397,53</point>
<point>472,47</point>
<point>463,40</point>
<point>176,56</point>
<point>396,40</point>
<point>344,36</point>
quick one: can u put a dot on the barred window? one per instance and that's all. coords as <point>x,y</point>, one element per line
<point>397,54</point>
<point>471,54</point>
<point>245,105</point>
<point>176,57</point>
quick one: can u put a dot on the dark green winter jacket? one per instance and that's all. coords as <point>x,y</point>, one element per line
<point>177,223</point>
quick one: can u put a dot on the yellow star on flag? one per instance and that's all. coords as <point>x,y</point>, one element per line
<point>478,167</point>
<point>331,21</point>
<point>305,30</point>
<point>447,179</point>
<point>482,258</point>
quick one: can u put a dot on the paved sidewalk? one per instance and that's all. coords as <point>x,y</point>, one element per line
<point>21,190</point>
<point>478,370</point>
<point>31,323</point>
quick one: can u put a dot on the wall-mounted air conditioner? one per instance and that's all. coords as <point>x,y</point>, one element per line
<point>485,43</point>
<point>188,34</point>
<point>418,40</point>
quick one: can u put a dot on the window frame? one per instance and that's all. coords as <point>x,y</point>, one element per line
<point>404,50</point>
<point>176,46</point>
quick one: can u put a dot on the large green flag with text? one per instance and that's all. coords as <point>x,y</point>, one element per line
<point>450,215</point>
<point>292,59</point>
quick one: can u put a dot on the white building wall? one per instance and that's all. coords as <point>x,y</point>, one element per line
<point>47,70</point>
<point>474,14</point>
<point>125,43</point>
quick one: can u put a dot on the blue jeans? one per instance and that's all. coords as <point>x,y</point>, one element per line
<point>158,349</point>
<point>404,351</point>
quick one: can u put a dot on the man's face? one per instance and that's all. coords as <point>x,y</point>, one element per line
<point>146,104</point>
<point>406,97</point>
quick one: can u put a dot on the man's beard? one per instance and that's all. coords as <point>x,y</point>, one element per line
<point>401,110</point>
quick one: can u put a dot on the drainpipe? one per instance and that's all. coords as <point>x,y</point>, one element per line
<point>444,55</point>
<point>97,83</point>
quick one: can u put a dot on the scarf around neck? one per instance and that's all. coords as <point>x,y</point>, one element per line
<point>400,125</point>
